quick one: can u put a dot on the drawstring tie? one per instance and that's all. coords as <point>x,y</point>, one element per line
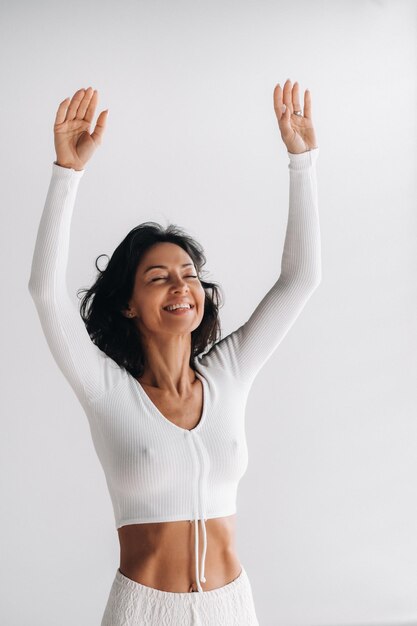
<point>200,473</point>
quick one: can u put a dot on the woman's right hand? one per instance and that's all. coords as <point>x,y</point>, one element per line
<point>74,145</point>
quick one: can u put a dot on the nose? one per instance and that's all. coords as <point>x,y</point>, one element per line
<point>180,283</point>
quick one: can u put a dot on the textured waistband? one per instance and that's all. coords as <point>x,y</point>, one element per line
<point>133,585</point>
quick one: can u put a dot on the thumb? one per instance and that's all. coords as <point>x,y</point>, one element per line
<point>98,133</point>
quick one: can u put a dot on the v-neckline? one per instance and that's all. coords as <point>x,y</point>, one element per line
<point>152,406</point>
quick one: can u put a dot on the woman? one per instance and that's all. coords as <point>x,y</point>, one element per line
<point>166,401</point>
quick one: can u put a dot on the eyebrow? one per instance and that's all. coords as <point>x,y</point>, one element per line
<point>151,267</point>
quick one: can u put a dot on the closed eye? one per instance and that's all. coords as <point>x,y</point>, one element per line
<point>163,278</point>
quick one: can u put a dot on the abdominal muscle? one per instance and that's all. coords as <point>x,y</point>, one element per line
<point>161,554</point>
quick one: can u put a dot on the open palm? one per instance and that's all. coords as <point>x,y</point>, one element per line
<point>297,131</point>
<point>74,144</point>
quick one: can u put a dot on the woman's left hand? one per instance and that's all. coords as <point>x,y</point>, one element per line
<point>297,131</point>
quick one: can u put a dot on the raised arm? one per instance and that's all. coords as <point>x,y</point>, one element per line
<point>88,370</point>
<point>244,351</point>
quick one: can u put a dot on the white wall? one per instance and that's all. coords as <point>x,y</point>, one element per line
<point>327,510</point>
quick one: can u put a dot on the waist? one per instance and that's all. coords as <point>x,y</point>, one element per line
<point>161,554</point>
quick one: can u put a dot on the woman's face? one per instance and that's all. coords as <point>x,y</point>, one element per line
<point>157,287</point>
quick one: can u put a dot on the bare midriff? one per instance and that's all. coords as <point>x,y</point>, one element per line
<point>161,554</point>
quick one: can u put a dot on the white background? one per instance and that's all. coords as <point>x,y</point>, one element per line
<point>327,511</point>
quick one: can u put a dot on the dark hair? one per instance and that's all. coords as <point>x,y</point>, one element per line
<point>101,306</point>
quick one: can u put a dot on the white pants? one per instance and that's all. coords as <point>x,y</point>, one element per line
<point>133,604</point>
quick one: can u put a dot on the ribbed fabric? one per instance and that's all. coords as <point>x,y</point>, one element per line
<point>155,470</point>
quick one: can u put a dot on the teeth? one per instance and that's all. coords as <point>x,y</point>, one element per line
<point>178,306</point>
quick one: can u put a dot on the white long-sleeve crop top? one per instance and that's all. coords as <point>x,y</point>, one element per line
<point>155,470</point>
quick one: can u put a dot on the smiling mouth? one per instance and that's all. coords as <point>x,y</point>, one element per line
<point>179,310</point>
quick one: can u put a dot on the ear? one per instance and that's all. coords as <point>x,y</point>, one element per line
<point>128,313</point>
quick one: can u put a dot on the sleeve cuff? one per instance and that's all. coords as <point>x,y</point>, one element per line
<point>303,160</point>
<point>66,172</point>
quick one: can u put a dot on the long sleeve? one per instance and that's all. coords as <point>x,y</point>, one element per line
<point>244,351</point>
<point>89,371</point>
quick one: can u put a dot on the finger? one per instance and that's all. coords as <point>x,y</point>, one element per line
<point>296,97</point>
<point>89,114</point>
<point>278,101</point>
<point>287,95</point>
<point>98,133</point>
<point>62,109</point>
<point>84,103</point>
<point>307,104</point>
<point>75,102</point>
